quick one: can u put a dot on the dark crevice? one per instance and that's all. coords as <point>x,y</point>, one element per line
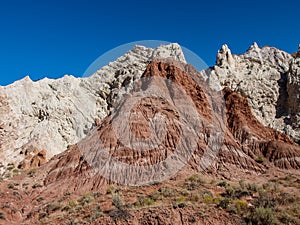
<point>281,109</point>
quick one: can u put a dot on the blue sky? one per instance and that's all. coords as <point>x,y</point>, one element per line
<point>53,38</point>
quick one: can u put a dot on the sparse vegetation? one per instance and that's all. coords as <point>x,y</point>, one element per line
<point>194,182</point>
<point>264,203</point>
<point>36,185</point>
<point>10,166</point>
<point>261,216</point>
<point>31,172</point>
<point>2,217</point>
<point>117,201</point>
<point>259,159</point>
<point>10,185</point>
<point>86,199</point>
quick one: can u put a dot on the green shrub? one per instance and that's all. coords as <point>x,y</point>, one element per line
<point>194,182</point>
<point>117,201</point>
<point>262,216</point>
<point>86,199</point>
<point>10,166</point>
<point>167,192</point>
<point>31,172</point>
<point>156,195</point>
<point>10,185</point>
<point>208,198</point>
<point>37,185</point>
<point>230,191</point>
<point>259,159</point>
<point>110,189</point>
<point>224,203</point>
<point>222,184</point>
<point>240,205</point>
<point>52,207</point>
<point>194,197</point>
<point>73,203</point>
<point>148,201</point>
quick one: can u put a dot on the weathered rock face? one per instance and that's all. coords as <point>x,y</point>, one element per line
<point>293,90</point>
<point>247,144</point>
<point>246,141</point>
<point>52,114</point>
<point>268,78</point>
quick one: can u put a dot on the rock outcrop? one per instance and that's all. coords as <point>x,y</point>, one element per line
<point>52,114</point>
<point>268,78</point>
<point>247,145</point>
<point>102,157</point>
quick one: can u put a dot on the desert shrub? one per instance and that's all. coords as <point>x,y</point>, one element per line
<point>73,203</point>
<point>119,215</point>
<point>242,184</point>
<point>287,199</point>
<point>96,215</point>
<point>262,216</point>
<point>86,199</point>
<point>194,182</point>
<point>2,217</point>
<point>206,193</point>
<point>117,201</point>
<point>10,185</point>
<point>294,209</point>
<point>240,205</point>
<point>148,201</point>
<point>224,203</point>
<point>222,184</point>
<point>31,172</point>
<point>184,192</point>
<point>230,191</point>
<point>252,187</point>
<point>110,189</point>
<point>156,195</point>
<point>181,199</point>
<point>167,192</point>
<point>286,218</point>
<point>265,200</point>
<point>208,198</point>
<point>16,193</point>
<point>144,201</point>
<point>39,199</point>
<point>52,207</point>
<point>259,159</point>
<point>37,185</point>
<point>10,166</point>
<point>194,197</point>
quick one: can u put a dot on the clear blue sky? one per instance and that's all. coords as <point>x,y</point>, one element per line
<point>53,38</point>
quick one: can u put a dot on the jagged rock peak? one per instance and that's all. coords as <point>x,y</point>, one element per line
<point>253,47</point>
<point>266,76</point>
<point>174,50</point>
<point>60,112</point>
<point>224,55</point>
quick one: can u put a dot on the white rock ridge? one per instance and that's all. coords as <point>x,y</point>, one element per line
<point>52,114</point>
<point>268,78</point>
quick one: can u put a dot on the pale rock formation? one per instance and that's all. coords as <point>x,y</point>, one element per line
<point>52,114</point>
<point>268,78</point>
<point>293,104</point>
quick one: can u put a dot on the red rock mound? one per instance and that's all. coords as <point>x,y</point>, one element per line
<point>214,131</point>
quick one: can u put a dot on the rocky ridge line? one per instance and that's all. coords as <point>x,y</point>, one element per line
<point>268,78</point>
<point>48,115</point>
